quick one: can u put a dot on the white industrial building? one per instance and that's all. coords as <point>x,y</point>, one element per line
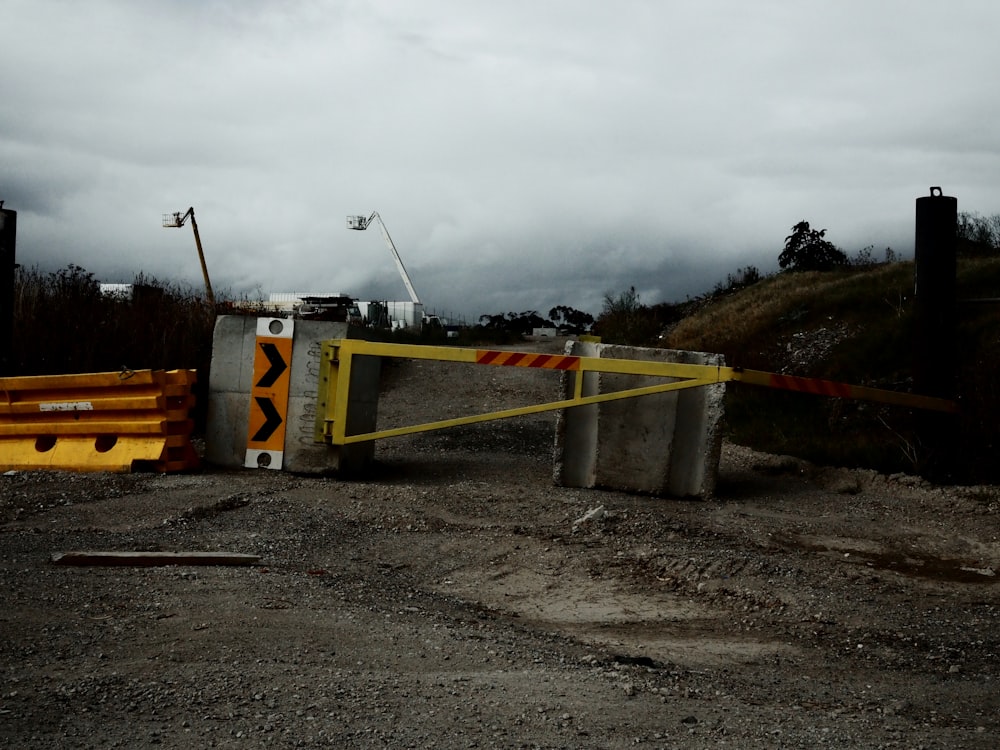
<point>399,314</point>
<point>386,314</point>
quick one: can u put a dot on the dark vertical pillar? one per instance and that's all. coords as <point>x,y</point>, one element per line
<point>8,235</point>
<point>935,349</point>
<point>934,279</point>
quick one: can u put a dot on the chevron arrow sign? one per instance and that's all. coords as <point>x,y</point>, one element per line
<point>269,393</point>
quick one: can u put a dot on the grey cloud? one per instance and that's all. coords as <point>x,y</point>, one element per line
<point>518,151</point>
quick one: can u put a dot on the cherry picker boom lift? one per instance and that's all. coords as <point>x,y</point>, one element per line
<point>177,219</point>
<point>360,222</point>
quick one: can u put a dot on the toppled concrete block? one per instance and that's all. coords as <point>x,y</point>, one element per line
<point>663,444</point>
<point>230,386</point>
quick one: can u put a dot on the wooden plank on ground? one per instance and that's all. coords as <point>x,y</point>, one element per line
<point>147,559</point>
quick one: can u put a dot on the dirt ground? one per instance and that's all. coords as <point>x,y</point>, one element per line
<point>456,599</point>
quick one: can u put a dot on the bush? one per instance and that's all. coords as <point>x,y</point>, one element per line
<point>625,320</point>
<point>807,249</point>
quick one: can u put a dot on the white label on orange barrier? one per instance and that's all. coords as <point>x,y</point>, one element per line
<point>66,406</point>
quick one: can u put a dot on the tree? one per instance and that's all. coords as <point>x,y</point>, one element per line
<point>807,249</point>
<point>625,320</point>
<point>575,321</point>
<point>626,303</point>
<point>977,235</point>
<point>496,322</point>
<point>520,324</point>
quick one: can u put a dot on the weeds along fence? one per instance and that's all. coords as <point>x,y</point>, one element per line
<point>64,325</point>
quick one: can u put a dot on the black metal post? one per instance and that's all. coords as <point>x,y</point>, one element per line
<point>8,235</point>
<point>935,349</point>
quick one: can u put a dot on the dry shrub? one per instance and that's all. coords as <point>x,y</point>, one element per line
<point>871,311</point>
<point>64,325</point>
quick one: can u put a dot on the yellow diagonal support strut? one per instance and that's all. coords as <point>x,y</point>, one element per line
<point>521,411</point>
<point>333,398</point>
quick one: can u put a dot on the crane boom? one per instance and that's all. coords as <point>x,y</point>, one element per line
<point>177,219</point>
<point>360,222</point>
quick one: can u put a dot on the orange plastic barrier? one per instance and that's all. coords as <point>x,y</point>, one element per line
<point>110,421</point>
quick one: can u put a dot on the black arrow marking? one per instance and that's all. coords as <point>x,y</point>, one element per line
<point>278,365</point>
<point>272,420</point>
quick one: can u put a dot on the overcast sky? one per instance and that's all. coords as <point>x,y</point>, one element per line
<point>522,154</point>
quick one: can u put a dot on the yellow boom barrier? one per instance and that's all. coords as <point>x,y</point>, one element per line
<point>335,368</point>
<point>110,421</point>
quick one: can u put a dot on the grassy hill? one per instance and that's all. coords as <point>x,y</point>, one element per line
<point>855,325</point>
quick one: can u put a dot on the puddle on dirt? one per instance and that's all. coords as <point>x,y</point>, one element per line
<point>913,564</point>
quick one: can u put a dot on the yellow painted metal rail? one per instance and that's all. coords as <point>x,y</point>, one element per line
<point>98,421</point>
<point>335,369</point>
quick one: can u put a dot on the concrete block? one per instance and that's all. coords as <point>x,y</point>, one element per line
<point>231,381</point>
<point>664,444</point>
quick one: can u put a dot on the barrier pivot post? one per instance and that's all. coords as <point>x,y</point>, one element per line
<point>934,343</point>
<point>8,233</point>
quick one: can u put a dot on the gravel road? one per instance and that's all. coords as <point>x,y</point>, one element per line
<point>458,599</point>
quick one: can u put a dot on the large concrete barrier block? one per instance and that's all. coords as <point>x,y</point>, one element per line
<point>664,444</point>
<point>231,383</point>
